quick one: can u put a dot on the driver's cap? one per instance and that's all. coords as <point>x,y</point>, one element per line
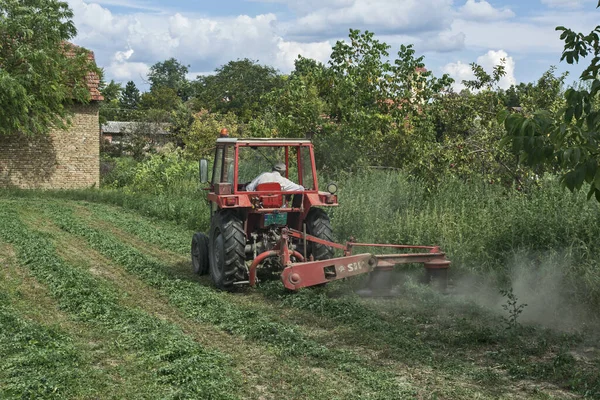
<point>279,167</point>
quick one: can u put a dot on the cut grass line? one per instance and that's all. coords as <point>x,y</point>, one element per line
<point>151,248</point>
<point>456,388</point>
<point>180,366</point>
<point>205,304</point>
<point>37,355</point>
<point>112,376</point>
<point>165,235</point>
<point>253,361</point>
<point>425,324</point>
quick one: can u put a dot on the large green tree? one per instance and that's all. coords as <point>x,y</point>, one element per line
<point>170,74</point>
<point>237,87</point>
<point>374,104</point>
<point>569,138</point>
<point>40,73</point>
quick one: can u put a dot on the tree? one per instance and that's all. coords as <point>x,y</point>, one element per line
<point>298,108</point>
<point>170,74</point>
<point>40,73</point>
<point>111,91</point>
<point>200,138</point>
<point>376,104</point>
<point>468,143</point>
<point>130,98</point>
<point>163,98</point>
<point>110,106</point>
<point>569,138</point>
<point>237,87</point>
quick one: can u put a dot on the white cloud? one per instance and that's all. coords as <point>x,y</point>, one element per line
<point>494,58</point>
<point>127,71</point>
<point>125,45</point>
<point>564,3</point>
<point>460,71</point>
<point>122,69</point>
<point>443,42</point>
<point>511,36</point>
<point>483,11</point>
<point>330,18</point>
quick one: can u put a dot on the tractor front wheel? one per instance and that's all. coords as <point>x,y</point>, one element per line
<point>200,253</point>
<point>227,242</point>
<point>318,224</point>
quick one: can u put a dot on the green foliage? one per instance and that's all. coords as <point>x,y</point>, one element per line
<point>37,361</point>
<point>512,307</point>
<point>130,97</point>
<point>111,91</point>
<point>158,345</point>
<point>37,78</point>
<point>170,74</point>
<point>360,102</point>
<point>162,99</point>
<point>236,87</point>
<point>297,108</point>
<point>167,172</point>
<point>201,136</point>
<point>568,138</point>
<point>467,142</point>
<point>109,109</point>
<point>545,94</point>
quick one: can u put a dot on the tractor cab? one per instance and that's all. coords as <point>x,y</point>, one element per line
<point>239,161</point>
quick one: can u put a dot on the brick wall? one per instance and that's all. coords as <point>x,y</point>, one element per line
<point>62,160</point>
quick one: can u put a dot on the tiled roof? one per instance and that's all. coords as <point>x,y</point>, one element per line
<point>92,79</point>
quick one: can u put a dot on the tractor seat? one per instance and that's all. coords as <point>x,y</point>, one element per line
<point>268,187</point>
<point>270,200</point>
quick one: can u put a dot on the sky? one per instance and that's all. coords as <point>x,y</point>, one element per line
<point>129,36</point>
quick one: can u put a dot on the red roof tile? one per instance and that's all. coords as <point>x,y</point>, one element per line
<point>92,79</point>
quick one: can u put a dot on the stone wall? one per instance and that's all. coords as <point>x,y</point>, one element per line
<point>62,160</point>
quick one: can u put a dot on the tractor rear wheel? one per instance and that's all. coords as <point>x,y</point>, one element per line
<point>200,253</point>
<point>227,242</point>
<point>318,224</point>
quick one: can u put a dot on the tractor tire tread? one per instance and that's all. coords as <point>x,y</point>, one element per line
<point>319,225</point>
<point>234,243</point>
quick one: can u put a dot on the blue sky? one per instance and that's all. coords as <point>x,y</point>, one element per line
<point>128,36</point>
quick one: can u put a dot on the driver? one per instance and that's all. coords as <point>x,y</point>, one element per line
<point>275,176</point>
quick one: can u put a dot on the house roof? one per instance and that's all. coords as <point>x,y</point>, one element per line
<point>115,127</point>
<point>92,79</point>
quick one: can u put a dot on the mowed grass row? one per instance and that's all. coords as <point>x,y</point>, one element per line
<point>180,367</point>
<point>405,343</point>
<point>356,376</point>
<point>421,328</point>
<point>38,360</point>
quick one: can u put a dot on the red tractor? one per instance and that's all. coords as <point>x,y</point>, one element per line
<point>286,232</point>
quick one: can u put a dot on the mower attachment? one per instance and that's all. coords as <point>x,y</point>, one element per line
<point>299,273</point>
<point>304,274</point>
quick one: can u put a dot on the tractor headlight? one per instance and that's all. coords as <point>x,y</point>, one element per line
<point>332,188</point>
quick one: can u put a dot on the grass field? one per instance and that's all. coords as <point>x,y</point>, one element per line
<point>99,302</point>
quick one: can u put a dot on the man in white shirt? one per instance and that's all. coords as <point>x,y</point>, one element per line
<point>274,176</point>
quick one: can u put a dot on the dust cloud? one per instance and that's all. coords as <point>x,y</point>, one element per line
<point>541,282</point>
